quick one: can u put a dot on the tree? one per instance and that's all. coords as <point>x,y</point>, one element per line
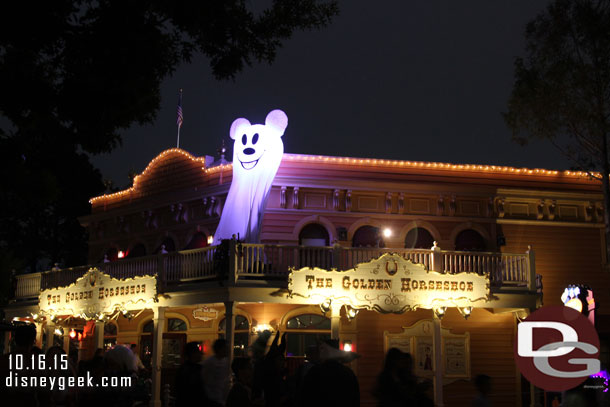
<point>74,73</point>
<point>562,87</point>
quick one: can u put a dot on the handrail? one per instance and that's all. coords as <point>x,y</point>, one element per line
<point>247,261</point>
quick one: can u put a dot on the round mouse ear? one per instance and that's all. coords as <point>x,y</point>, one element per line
<point>277,120</point>
<point>237,125</point>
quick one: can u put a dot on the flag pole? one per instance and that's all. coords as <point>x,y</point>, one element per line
<point>180,118</point>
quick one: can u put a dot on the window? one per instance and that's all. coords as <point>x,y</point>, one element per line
<point>241,335</point>
<point>313,234</point>
<point>110,334</point>
<point>304,331</point>
<point>138,250</point>
<point>175,325</point>
<point>368,236</point>
<point>419,238</point>
<point>470,240</point>
<point>146,344</point>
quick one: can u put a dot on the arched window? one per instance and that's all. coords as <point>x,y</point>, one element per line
<point>470,240</point>
<point>198,241</point>
<point>110,334</point>
<point>111,254</point>
<point>138,250</point>
<point>419,238</point>
<point>313,234</point>
<point>368,236</point>
<point>166,246</point>
<point>176,325</point>
<point>241,334</point>
<point>305,330</point>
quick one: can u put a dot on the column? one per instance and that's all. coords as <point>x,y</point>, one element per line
<point>230,328</point>
<point>335,320</point>
<point>49,332</point>
<point>39,334</point>
<point>7,341</point>
<point>99,335</point>
<point>159,327</point>
<point>438,363</point>
<point>66,338</point>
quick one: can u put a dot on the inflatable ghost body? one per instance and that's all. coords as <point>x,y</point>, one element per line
<point>257,153</point>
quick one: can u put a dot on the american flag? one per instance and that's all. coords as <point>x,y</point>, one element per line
<point>179,111</point>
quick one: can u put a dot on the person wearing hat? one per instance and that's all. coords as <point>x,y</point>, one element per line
<point>331,382</point>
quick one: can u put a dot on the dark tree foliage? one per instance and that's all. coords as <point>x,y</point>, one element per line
<point>74,73</point>
<point>562,86</point>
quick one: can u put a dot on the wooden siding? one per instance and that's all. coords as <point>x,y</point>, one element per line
<point>564,255</point>
<point>491,352</point>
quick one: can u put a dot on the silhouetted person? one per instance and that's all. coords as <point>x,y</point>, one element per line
<point>241,392</point>
<point>330,383</point>
<point>57,397</point>
<point>483,384</point>
<point>396,384</point>
<point>217,373</point>
<point>25,336</point>
<point>139,364</point>
<point>190,386</point>
<point>275,388</point>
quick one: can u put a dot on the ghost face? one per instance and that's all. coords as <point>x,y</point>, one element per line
<point>250,146</point>
<point>253,141</point>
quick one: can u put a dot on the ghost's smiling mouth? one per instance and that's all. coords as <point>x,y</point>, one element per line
<point>249,165</point>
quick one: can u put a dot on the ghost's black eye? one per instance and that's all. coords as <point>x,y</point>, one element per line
<point>255,138</point>
<point>244,139</point>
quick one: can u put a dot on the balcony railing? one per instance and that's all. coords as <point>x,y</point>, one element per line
<point>240,263</point>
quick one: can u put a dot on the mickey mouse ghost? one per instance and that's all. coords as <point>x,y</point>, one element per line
<point>257,154</point>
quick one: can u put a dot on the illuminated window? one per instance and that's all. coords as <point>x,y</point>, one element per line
<point>368,236</point>
<point>419,238</point>
<point>110,334</point>
<point>313,234</point>
<point>304,331</point>
<point>470,240</point>
<point>241,336</point>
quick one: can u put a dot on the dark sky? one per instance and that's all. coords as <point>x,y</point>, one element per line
<point>412,80</point>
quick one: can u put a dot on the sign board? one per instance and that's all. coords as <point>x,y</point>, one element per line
<point>97,293</point>
<point>205,313</point>
<point>389,284</point>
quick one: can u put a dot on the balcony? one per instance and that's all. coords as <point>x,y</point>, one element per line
<point>256,264</point>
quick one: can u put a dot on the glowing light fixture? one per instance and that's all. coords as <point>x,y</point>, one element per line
<point>387,232</point>
<point>59,331</point>
<point>72,334</point>
<point>347,346</point>
<point>351,313</point>
<point>120,254</point>
<point>440,311</point>
<point>210,239</point>
<point>259,328</point>
<point>325,306</point>
<point>466,311</point>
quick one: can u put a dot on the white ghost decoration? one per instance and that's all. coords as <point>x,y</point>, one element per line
<point>257,154</point>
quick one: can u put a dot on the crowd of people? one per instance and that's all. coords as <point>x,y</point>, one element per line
<point>324,379</point>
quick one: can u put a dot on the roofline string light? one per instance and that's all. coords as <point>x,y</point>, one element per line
<point>372,162</point>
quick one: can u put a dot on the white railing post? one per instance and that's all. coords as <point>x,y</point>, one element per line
<point>531,262</point>
<point>232,272</point>
<point>437,258</point>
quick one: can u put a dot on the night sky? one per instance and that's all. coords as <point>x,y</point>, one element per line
<point>423,81</point>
